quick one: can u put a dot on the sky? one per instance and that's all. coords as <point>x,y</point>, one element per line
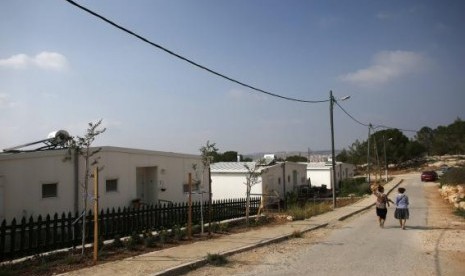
<point>402,63</point>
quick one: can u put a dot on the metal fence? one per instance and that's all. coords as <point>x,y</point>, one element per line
<point>34,236</point>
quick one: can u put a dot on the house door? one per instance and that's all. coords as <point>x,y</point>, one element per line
<point>146,179</point>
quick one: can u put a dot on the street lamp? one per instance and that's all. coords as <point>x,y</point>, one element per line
<point>332,100</point>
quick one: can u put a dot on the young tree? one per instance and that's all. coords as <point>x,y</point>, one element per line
<point>82,147</point>
<point>207,153</point>
<point>252,179</point>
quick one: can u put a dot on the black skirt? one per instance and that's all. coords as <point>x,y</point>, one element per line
<point>401,213</point>
<point>381,212</point>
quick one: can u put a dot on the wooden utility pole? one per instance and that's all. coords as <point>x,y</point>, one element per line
<point>96,234</point>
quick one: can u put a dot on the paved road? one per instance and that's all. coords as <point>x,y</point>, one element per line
<point>360,247</point>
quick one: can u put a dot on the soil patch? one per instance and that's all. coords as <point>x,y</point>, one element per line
<point>445,240</point>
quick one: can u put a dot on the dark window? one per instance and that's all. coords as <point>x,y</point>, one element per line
<point>49,190</point>
<point>111,185</point>
<point>195,188</point>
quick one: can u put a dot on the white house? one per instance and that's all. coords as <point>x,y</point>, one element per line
<point>276,179</point>
<point>41,182</point>
<point>320,173</point>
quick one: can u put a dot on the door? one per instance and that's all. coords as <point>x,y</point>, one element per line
<point>146,184</point>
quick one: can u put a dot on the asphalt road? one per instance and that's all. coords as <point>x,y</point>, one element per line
<point>360,247</point>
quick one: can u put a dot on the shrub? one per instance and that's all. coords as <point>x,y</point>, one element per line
<point>149,240</point>
<point>133,241</point>
<point>216,259</point>
<point>307,210</point>
<point>223,227</point>
<point>357,186</point>
<point>178,233</point>
<point>163,236</point>
<point>460,212</point>
<point>117,243</point>
<point>296,234</point>
<point>215,227</point>
<point>453,176</point>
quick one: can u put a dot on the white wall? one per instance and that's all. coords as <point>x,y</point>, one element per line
<point>320,177</point>
<point>23,174</point>
<point>232,186</point>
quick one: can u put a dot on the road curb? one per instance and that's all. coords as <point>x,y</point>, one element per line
<point>184,268</point>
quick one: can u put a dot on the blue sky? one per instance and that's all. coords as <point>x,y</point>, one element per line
<point>402,63</point>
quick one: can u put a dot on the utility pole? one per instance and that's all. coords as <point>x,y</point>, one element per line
<point>333,158</point>
<point>368,156</point>
<point>332,100</point>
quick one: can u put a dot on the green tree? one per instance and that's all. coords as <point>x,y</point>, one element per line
<point>425,136</point>
<point>296,158</point>
<point>228,156</point>
<point>343,156</point>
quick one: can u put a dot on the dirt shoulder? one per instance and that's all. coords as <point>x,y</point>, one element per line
<point>445,235</point>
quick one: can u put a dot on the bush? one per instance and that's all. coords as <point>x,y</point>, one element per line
<point>460,212</point>
<point>178,233</point>
<point>357,186</point>
<point>216,259</point>
<point>133,241</point>
<point>453,176</point>
<point>307,210</point>
<point>162,236</point>
<point>149,240</point>
<point>297,234</point>
<point>117,243</point>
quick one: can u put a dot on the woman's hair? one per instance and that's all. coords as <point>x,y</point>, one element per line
<point>380,189</point>
<point>401,190</point>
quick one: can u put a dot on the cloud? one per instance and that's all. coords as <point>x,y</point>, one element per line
<point>44,60</point>
<point>388,66</point>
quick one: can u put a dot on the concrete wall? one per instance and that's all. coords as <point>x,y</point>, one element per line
<point>231,185</point>
<point>321,174</point>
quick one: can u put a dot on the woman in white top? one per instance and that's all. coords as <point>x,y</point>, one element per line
<point>402,213</point>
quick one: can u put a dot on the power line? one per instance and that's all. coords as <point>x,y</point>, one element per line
<point>189,60</point>
<point>350,116</point>
<point>370,125</point>
<point>220,74</point>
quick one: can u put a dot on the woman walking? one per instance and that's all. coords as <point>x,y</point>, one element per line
<point>402,213</point>
<point>381,201</point>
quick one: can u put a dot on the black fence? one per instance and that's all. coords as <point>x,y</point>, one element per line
<point>30,237</point>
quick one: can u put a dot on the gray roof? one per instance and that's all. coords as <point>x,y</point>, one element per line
<point>231,167</point>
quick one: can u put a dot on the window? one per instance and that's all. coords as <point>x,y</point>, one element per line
<point>111,185</point>
<point>195,187</point>
<point>49,190</point>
